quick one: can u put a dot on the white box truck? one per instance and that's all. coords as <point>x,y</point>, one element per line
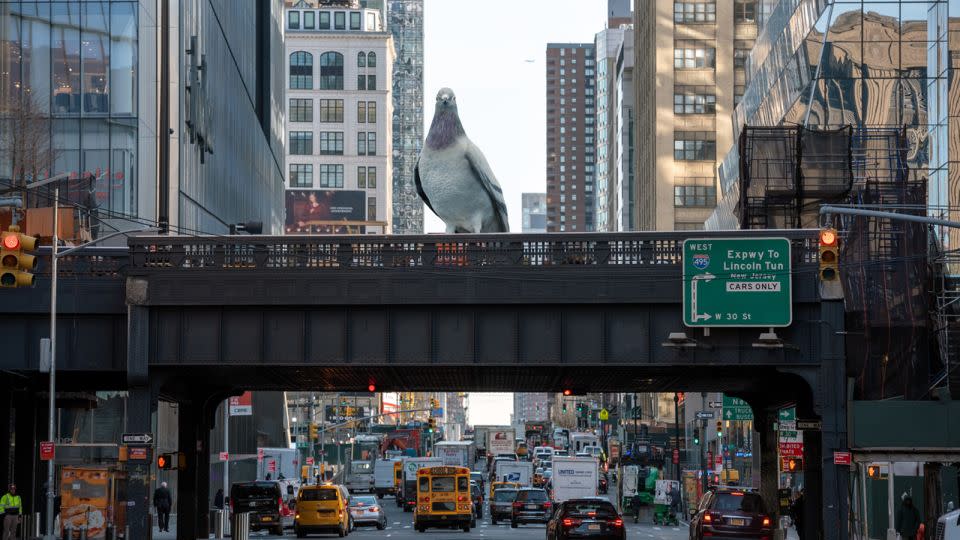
<point>408,491</point>
<point>501,441</point>
<point>455,453</point>
<point>520,472</point>
<point>574,477</point>
<point>383,481</point>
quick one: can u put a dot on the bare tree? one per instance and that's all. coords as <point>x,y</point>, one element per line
<point>25,140</point>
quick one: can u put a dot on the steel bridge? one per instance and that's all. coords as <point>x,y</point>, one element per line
<point>196,319</point>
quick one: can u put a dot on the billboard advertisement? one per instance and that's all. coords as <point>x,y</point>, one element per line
<point>312,211</point>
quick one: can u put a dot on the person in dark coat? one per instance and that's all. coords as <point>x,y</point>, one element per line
<point>908,519</point>
<point>218,499</point>
<point>163,502</point>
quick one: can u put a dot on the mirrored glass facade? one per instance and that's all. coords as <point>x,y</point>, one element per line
<point>868,64</point>
<point>69,90</point>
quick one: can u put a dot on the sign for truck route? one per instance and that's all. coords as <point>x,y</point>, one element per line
<point>737,282</point>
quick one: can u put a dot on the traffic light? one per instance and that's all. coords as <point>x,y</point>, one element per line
<point>314,432</point>
<point>166,462</point>
<point>795,464</point>
<point>719,429</point>
<point>567,392</point>
<point>696,436</point>
<point>564,407</point>
<point>431,425</point>
<point>15,265</point>
<point>829,255</point>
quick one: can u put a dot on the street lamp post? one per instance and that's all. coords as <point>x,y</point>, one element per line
<point>54,267</point>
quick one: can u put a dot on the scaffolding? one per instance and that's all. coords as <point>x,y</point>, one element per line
<point>892,318</point>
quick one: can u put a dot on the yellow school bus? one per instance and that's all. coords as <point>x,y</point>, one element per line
<point>443,499</point>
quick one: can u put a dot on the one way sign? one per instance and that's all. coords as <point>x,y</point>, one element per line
<point>137,438</point>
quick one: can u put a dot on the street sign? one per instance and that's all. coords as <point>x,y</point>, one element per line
<point>604,415</point>
<point>224,456</point>
<point>303,444</point>
<point>736,409</point>
<point>842,458</point>
<point>137,453</point>
<point>704,415</point>
<point>47,449</point>
<point>737,282</point>
<point>309,460</point>
<point>437,412</point>
<point>813,425</point>
<point>136,438</point>
<point>715,404</point>
<point>790,449</point>
<point>241,405</point>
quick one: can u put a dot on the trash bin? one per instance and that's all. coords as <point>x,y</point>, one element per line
<point>30,526</point>
<point>240,526</point>
<point>218,523</point>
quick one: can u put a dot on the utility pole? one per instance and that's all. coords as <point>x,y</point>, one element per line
<point>703,443</point>
<point>676,430</point>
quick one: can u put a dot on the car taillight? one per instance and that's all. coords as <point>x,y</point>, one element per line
<point>766,521</point>
<point>547,504</point>
<point>567,522</point>
<point>374,508</point>
<point>617,522</point>
<point>707,518</point>
<point>518,505</point>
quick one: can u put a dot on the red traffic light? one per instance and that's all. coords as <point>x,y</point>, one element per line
<point>567,392</point>
<point>11,241</point>
<point>372,388</point>
<point>828,237</point>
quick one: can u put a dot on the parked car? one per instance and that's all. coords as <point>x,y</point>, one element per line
<point>531,506</point>
<point>476,493</point>
<point>323,509</point>
<point>729,512</point>
<point>501,504</point>
<point>365,510</point>
<point>591,517</point>
<point>263,500</point>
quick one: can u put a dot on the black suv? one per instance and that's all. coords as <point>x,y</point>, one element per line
<point>732,513</point>
<point>591,517</point>
<point>501,505</point>
<point>531,506</point>
<point>262,500</point>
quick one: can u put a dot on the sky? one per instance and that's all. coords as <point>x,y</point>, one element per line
<point>489,408</point>
<point>484,56</point>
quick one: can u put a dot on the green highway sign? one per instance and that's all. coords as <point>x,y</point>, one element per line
<point>736,409</point>
<point>737,282</point>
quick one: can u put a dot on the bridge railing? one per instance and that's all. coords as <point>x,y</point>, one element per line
<point>96,262</point>
<point>157,253</point>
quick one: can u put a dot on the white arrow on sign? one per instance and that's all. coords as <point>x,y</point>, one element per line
<point>137,438</point>
<point>708,277</point>
<point>729,414</point>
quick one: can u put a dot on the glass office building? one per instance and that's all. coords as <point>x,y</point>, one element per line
<point>864,63</point>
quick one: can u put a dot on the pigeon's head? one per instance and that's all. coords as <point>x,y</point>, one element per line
<point>446,100</point>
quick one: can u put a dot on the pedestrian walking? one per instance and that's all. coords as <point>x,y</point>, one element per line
<point>218,499</point>
<point>163,501</point>
<point>12,508</point>
<point>908,519</point>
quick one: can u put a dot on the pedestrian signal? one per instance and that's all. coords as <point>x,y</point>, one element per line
<point>16,267</point>
<point>795,465</point>
<point>829,255</point>
<point>166,462</point>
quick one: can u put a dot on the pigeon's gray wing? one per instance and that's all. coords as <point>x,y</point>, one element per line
<point>416,180</point>
<point>481,169</point>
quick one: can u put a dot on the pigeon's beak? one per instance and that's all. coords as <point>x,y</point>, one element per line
<point>445,99</point>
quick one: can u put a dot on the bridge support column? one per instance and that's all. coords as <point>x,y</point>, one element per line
<point>769,464</point>
<point>25,452</point>
<point>193,481</point>
<point>6,413</point>
<point>141,405</point>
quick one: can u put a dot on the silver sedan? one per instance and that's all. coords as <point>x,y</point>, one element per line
<point>365,510</point>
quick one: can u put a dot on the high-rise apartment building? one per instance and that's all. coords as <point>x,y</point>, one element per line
<point>623,185</point>
<point>406,24</point>
<point>690,73</point>
<point>534,212</point>
<point>339,108</point>
<point>530,407</point>
<point>571,137</point>
<point>608,44</point>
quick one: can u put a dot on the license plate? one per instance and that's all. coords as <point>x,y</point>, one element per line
<point>266,518</point>
<point>531,507</point>
<point>593,527</point>
<point>737,522</point>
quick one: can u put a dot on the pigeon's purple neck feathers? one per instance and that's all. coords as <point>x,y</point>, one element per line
<point>444,130</point>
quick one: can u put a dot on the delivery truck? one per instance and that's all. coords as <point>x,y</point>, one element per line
<point>455,453</point>
<point>407,498</point>
<point>574,477</point>
<point>384,482</point>
<point>520,472</point>
<point>501,441</point>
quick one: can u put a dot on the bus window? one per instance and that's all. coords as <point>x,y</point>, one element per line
<point>463,483</point>
<point>424,484</point>
<point>442,484</point>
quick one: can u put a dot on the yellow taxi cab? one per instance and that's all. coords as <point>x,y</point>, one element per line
<point>497,485</point>
<point>322,508</point>
<point>443,499</point>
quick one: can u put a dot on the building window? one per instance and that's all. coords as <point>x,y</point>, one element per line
<point>362,59</point>
<point>301,143</point>
<point>371,112</point>
<point>745,11</point>
<point>355,20</point>
<point>371,143</point>
<point>361,112</point>
<point>740,56</point>
<point>695,192</point>
<point>371,59</point>
<point>324,20</point>
<point>293,20</point>
<point>371,82</point>
<point>694,11</point>
<point>367,177</point>
<point>301,71</point>
<point>339,20</point>
<point>301,176</point>
<point>361,144</point>
<point>331,110</point>
<point>309,20</point>
<point>694,146</point>
<point>301,110</point>
<point>371,208</point>
<point>361,177</point>
<point>331,71</point>
<point>694,100</point>
<point>372,177</point>
<point>331,176</point>
<point>738,91</point>
<point>688,226</point>
<point>331,143</point>
<point>691,54</point>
